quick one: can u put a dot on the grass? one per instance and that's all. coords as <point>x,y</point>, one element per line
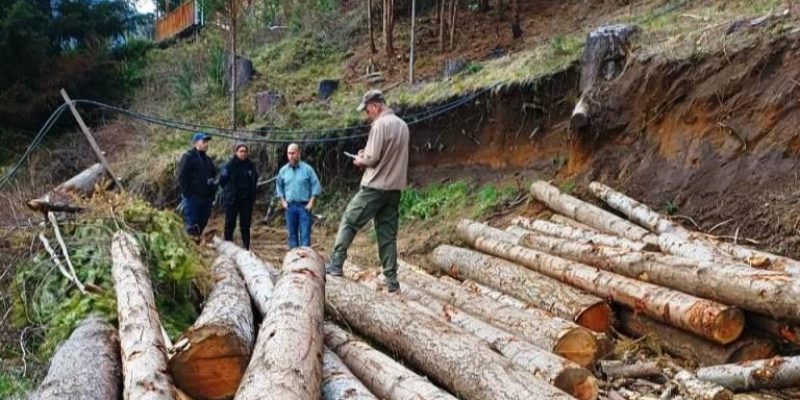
<point>12,387</point>
<point>443,201</point>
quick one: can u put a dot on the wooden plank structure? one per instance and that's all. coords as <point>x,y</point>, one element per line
<point>179,21</point>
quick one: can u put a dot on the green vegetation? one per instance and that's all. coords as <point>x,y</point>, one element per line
<point>568,186</point>
<point>12,387</point>
<point>670,207</point>
<point>446,200</point>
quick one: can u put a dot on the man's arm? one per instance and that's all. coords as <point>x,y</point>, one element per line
<point>279,190</point>
<point>316,188</point>
<point>183,174</point>
<point>374,149</point>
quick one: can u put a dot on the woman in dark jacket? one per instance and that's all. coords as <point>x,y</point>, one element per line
<point>238,178</point>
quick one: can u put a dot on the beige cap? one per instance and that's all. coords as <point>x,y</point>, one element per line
<point>371,96</point>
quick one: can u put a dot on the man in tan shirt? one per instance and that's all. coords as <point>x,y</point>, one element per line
<point>385,158</point>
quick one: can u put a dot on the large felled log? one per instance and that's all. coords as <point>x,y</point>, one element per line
<point>589,214</point>
<point>769,292</point>
<point>579,235</point>
<point>59,198</point>
<point>560,219</point>
<point>286,362</point>
<point>214,352</point>
<point>785,332</point>
<point>86,366</point>
<point>701,390</point>
<point>338,383</point>
<point>458,360</point>
<point>384,376</point>
<point>773,373</point>
<point>259,276</point>
<point>551,333</point>
<point>559,372</point>
<point>541,291</point>
<point>690,347</point>
<point>712,320</point>
<point>144,359</point>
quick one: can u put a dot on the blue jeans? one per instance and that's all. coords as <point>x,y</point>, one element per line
<point>298,222</point>
<point>196,212</point>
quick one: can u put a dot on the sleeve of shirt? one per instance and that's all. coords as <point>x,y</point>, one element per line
<point>316,187</point>
<point>224,174</point>
<point>183,174</point>
<point>279,185</point>
<point>374,148</point>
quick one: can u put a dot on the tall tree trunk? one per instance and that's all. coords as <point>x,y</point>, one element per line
<point>589,214</point>
<point>144,358</point>
<point>338,383</point>
<point>442,19</point>
<point>541,291</point>
<point>691,347</point>
<point>712,320</point>
<point>412,43</point>
<point>553,334</point>
<point>453,14</point>
<point>459,360</point>
<point>370,26</point>
<point>579,235</point>
<point>388,29</point>
<point>86,366</point>
<point>214,352</point>
<point>286,360</point>
<point>516,25</point>
<point>259,276</point>
<point>501,10</point>
<point>384,376</point>
<point>233,18</point>
<point>81,185</point>
<point>558,371</point>
<point>773,373</point>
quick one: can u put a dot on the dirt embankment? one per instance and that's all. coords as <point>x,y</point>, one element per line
<point>714,139</point>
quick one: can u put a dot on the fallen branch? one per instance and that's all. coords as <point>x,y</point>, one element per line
<point>57,262</point>
<point>52,218</point>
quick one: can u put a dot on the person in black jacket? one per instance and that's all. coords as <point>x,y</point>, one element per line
<point>238,178</point>
<point>196,177</point>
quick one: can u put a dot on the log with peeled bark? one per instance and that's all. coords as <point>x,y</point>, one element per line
<point>691,347</point>
<point>773,293</point>
<point>550,333</point>
<point>632,209</point>
<point>560,219</point>
<point>559,372</point>
<point>772,373</point>
<point>86,366</point>
<point>618,369</point>
<point>338,383</point>
<point>287,359</point>
<point>541,291</point>
<point>579,235</point>
<point>214,352</point>
<point>710,319</point>
<point>460,361</point>
<point>144,358</point>
<point>259,276</point>
<point>381,374</point>
<point>701,390</point>
<point>589,214</point>
<point>58,199</point>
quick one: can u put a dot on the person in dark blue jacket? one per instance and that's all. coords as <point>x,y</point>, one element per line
<point>196,177</point>
<point>238,178</point>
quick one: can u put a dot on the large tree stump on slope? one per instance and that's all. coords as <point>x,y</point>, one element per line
<point>776,294</point>
<point>541,291</point>
<point>338,383</point>
<point>557,371</point>
<point>548,332</point>
<point>773,373</point>
<point>144,358</point>
<point>579,235</point>
<point>86,366</point>
<point>287,360</point>
<point>59,198</point>
<point>460,361</point>
<point>214,352</point>
<point>384,376</point>
<point>589,214</point>
<point>691,347</point>
<point>259,276</point>
<point>709,319</point>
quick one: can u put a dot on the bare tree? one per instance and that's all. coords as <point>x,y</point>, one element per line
<point>441,13</point>
<point>453,14</point>
<point>388,28</point>
<point>516,28</point>
<point>372,48</point>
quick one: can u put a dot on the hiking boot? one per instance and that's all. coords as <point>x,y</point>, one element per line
<point>334,270</point>
<point>392,285</point>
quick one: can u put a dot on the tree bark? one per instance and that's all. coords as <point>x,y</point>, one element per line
<point>557,371</point>
<point>384,376</point>
<point>541,291</point>
<point>701,390</point>
<point>459,360</point>
<point>81,185</point>
<point>144,358</point>
<point>286,361</point>
<point>86,366</point>
<point>776,294</point>
<point>372,47</point>
<point>553,334</point>
<point>773,373</point>
<point>442,19</point>
<point>388,28</point>
<point>580,235</point>
<point>338,383</point>
<point>690,347</point>
<point>589,214</point>
<point>214,352</point>
<point>785,332</point>
<point>560,219</point>
<point>453,14</point>
<point>618,369</point>
<point>706,318</point>
<point>259,276</point>
<point>516,25</point>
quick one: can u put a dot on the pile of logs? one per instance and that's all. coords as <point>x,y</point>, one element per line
<point>530,312</point>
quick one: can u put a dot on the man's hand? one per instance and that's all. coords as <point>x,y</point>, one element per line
<point>284,204</point>
<point>359,160</point>
<point>310,205</point>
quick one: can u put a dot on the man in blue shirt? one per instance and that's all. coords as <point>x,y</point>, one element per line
<point>297,188</point>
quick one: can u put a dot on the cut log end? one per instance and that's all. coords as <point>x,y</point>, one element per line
<point>577,345</point>
<point>728,325</point>
<point>212,366</point>
<point>578,382</point>
<point>580,115</point>
<point>597,318</point>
